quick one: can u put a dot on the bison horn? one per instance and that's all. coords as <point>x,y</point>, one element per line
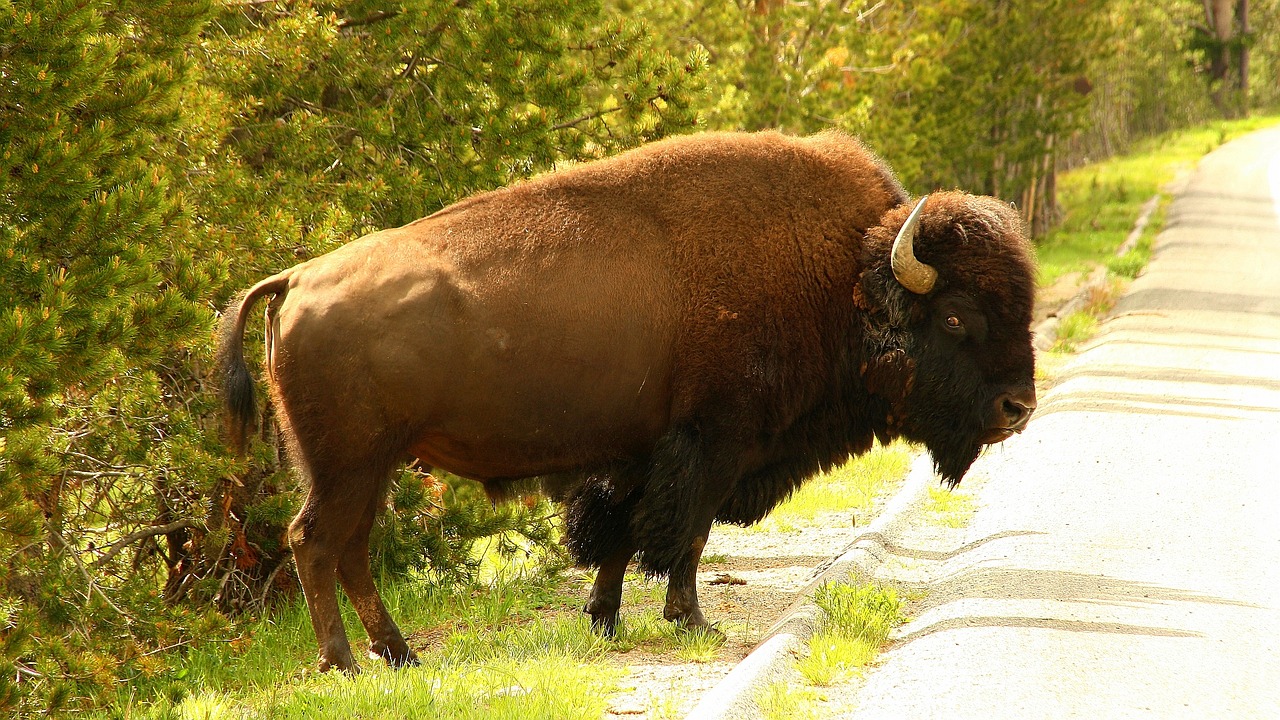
<point>913,274</point>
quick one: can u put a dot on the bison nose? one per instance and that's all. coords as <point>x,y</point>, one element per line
<point>1015,408</point>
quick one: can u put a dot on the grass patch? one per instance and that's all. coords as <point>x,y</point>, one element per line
<point>949,508</point>
<point>834,658</point>
<point>855,626</point>
<point>664,706</point>
<point>652,633</point>
<point>851,488</point>
<point>516,648</point>
<point>856,622</point>
<point>1074,330</point>
<point>865,612</point>
<point>782,701</point>
<point>698,646</point>
<point>1077,327</point>
<point>557,686</point>
<point>1132,262</point>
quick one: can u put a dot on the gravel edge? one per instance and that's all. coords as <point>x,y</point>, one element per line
<point>735,696</point>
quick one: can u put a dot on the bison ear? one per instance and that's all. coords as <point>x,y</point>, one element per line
<point>913,274</point>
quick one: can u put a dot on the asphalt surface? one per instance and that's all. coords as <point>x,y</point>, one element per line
<point>1124,557</point>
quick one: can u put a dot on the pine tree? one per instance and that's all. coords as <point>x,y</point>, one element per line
<point>88,96</point>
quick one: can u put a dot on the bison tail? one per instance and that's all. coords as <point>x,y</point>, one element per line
<point>235,381</point>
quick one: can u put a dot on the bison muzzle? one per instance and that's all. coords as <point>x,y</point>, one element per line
<point>678,335</point>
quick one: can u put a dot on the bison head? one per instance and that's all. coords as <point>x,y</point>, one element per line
<point>947,293</point>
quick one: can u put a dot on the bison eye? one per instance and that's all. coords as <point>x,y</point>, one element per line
<point>954,322</point>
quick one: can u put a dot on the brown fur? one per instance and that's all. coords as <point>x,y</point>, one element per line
<point>671,334</point>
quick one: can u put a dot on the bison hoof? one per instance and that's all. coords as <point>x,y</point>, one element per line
<point>692,621</point>
<point>605,624</point>
<point>711,631</point>
<point>396,657</point>
<point>350,668</point>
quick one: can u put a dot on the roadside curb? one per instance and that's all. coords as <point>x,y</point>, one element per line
<point>770,660</point>
<point>1046,333</point>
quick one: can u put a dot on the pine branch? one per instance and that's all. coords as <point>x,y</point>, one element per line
<point>118,546</point>
<point>84,572</point>
<point>369,19</point>
<point>579,120</point>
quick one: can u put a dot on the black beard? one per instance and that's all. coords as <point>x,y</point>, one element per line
<point>952,463</point>
<point>953,452</point>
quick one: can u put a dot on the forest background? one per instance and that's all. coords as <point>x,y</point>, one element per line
<point>155,158</point>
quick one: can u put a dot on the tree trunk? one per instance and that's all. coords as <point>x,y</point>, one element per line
<point>1218,17</point>
<point>1242,58</point>
<point>1048,190</point>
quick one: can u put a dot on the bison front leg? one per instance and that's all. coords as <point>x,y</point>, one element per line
<point>682,588</point>
<point>690,476</point>
<point>606,593</point>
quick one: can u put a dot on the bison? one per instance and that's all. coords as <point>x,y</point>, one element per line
<point>674,336</point>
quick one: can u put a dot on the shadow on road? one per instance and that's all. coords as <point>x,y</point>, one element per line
<point>1015,584</point>
<point>1168,300</point>
<point>1045,623</point>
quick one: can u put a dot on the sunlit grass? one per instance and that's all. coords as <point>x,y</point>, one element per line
<point>782,701</point>
<point>851,488</point>
<point>949,508</point>
<point>1074,330</point>
<point>833,658</point>
<point>664,706</point>
<point>515,648</point>
<point>649,631</point>
<point>866,611</point>
<point>854,627</point>
<point>856,622</point>
<point>550,686</point>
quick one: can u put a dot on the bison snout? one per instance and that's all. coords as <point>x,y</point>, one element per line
<point>1014,409</point>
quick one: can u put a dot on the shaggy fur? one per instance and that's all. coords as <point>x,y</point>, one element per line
<point>680,334</point>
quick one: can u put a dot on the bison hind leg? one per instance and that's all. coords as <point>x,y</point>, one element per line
<point>330,542</point>
<point>598,534</point>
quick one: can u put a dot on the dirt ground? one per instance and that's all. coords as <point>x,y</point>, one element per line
<point>759,576</point>
<point>1049,299</point>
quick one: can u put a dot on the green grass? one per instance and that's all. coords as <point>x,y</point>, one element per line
<point>949,508</point>
<point>855,624</point>
<point>664,705</point>
<point>834,658</point>
<point>1101,200</point>
<point>1074,330</point>
<point>1132,262</point>
<point>851,488</point>
<point>782,701</point>
<point>557,686</point>
<point>506,653</point>
<point>866,611</point>
<point>649,631</point>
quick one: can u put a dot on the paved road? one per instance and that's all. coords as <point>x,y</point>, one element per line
<point>1124,560</point>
